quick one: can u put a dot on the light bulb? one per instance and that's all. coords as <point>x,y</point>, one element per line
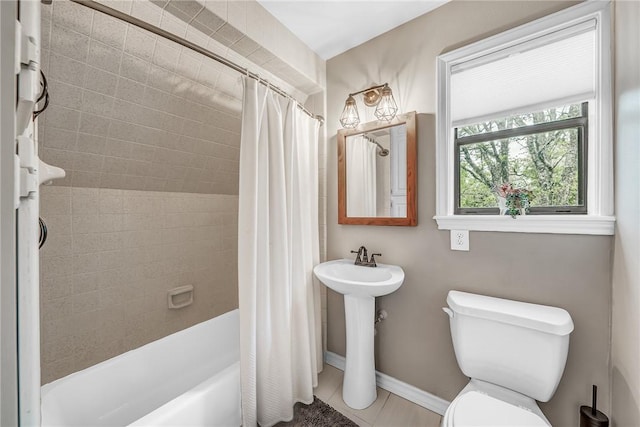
<point>387,108</point>
<point>350,117</point>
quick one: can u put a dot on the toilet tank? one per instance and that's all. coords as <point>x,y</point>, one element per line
<point>516,345</point>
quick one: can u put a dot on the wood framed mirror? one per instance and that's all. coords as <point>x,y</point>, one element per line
<point>377,173</point>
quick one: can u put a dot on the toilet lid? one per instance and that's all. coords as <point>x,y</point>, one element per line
<point>478,409</point>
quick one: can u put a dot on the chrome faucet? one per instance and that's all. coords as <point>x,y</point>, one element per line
<point>363,259</point>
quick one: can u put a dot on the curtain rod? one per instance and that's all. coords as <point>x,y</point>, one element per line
<point>186,43</point>
<point>373,140</point>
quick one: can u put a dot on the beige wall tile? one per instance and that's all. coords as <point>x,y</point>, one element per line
<point>171,23</point>
<point>56,266</point>
<point>208,21</point>
<point>64,118</point>
<point>68,15</point>
<point>129,90</point>
<point>147,12</point>
<point>110,59</point>
<point>56,287</point>
<point>60,139</point>
<point>93,124</point>
<point>108,31</point>
<point>161,78</point>
<point>88,143</point>
<point>189,63</point>
<point>65,69</point>
<point>121,5</point>
<point>104,56</point>
<point>65,95</point>
<point>117,147</point>
<point>100,81</point>
<point>84,201</point>
<point>85,179</point>
<point>139,43</point>
<point>87,162</point>
<point>134,68</point>
<point>190,8</point>
<point>69,43</point>
<point>111,258</point>
<point>166,55</point>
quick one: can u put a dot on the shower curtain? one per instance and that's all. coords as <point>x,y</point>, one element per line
<point>361,177</point>
<point>278,246</point>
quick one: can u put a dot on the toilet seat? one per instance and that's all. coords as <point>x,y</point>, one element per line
<point>475,409</point>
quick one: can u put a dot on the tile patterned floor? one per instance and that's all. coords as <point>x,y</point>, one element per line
<point>388,410</point>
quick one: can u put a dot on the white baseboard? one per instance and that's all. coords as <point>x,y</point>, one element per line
<point>397,387</point>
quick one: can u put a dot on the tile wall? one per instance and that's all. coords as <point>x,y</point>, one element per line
<point>110,259</point>
<point>149,135</point>
<point>130,110</point>
<point>249,30</point>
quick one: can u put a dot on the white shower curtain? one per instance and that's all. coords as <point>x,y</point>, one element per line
<point>361,177</point>
<point>278,246</point>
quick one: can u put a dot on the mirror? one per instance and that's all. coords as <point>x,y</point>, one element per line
<point>377,182</point>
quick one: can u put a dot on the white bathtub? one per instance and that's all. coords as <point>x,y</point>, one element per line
<point>190,378</point>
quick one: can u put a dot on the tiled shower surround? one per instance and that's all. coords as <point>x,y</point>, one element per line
<point>131,110</point>
<point>149,135</point>
<point>110,259</point>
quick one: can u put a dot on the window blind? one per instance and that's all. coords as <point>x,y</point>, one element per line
<point>554,70</point>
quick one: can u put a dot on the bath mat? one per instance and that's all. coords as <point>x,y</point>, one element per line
<point>318,414</point>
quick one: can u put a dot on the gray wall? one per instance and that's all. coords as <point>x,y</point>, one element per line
<point>570,271</point>
<point>625,347</point>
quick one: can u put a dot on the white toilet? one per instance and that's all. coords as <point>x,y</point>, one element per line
<point>514,353</point>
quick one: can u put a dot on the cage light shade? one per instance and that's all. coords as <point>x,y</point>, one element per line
<point>387,108</point>
<point>350,117</point>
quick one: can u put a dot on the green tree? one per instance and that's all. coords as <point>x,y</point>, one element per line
<point>545,163</point>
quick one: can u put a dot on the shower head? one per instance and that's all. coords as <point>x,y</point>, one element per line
<point>383,151</point>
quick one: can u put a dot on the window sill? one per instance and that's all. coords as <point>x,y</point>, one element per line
<point>554,224</point>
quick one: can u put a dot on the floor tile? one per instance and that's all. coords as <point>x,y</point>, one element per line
<point>388,410</point>
<point>355,419</point>
<point>369,414</point>
<point>329,381</point>
<point>400,412</point>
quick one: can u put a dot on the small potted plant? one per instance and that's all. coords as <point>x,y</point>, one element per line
<point>513,201</point>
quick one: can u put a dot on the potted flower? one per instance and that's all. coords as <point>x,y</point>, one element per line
<point>513,201</point>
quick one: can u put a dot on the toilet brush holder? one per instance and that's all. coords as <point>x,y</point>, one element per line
<point>590,416</point>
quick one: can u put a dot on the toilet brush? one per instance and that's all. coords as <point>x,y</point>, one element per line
<point>590,416</point>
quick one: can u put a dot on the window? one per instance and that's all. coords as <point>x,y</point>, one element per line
<point>530,106</point>
<point>541,151</point>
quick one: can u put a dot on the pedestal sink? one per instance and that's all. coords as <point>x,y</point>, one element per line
<point>359,285</point>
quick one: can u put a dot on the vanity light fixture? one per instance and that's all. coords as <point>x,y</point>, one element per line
<point>387,108</point>
<point>379,96</point>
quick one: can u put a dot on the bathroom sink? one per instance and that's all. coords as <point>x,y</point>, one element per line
<point>360,285</point>
<point>344,276</point>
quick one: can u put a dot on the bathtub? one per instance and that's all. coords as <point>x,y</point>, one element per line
<point>190,378</point>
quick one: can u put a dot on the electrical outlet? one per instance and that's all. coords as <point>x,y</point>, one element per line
<point>459,240</point>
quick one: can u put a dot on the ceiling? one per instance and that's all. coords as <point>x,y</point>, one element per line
<point>330,27</point>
